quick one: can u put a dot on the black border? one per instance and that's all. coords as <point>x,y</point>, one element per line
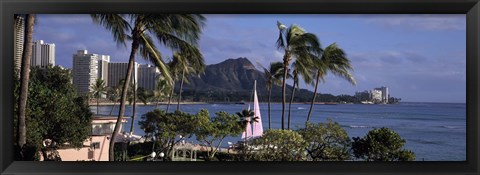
<point>469,7</point>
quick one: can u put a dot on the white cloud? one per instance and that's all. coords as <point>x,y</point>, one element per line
<point>423,22</point>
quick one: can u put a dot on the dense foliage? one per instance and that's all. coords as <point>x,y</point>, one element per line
<point>168,129</point>
<point>278,145</point>
<point>326,141</point>
<point>381,145</point>
<point>54,111</point>
<point>213,131</point>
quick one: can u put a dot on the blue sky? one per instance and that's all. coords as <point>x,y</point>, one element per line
<point>421,58</point>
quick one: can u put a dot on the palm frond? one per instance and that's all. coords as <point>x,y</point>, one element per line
<point>114,23</point>
<point>153,55</point>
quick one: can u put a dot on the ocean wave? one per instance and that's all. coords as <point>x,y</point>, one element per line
<point>359,126</point>
<point>300,108</point>
<point>452,127</point>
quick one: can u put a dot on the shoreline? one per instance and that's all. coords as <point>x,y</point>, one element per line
<point>240,103</point>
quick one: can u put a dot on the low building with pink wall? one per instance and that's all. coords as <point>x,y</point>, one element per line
<point>95,148</point>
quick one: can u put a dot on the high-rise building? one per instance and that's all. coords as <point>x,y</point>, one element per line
<point>147,76</point>
<point>103,61</point>
<point>117,72</point>
<point>43,54</point>
<point>87,68</point>
<point>376,95</point>
<point>385,95</point>
<point>18,39</point>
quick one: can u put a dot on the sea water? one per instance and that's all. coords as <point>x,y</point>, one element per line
<point>433,131</point>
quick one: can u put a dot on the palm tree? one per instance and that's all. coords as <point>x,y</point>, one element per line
<point>174,72</point>
<point>246,116</point>
<point>332,60</point>
<point>273,75</point>
<point>143,95</point>
<point>295,43</point>
<point>116,94</point>
<point>160,89</point>
<point>24,78</point>
<point>300,67</point>
<point>177,31</point>
<point>186,64</point>
<point>98,89</point>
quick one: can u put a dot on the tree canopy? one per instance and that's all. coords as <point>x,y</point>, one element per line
<point>381,144</point>
<point>54,111</point>
<point>327,141</point>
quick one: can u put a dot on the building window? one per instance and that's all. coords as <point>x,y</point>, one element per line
<point>95,145</point>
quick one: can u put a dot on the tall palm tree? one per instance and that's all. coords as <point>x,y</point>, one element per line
<point>98,89</point>
<point>174,72</point>
<point>300,68</point>
<point>273,74</point>
<point>24,78</point>
<point>186,64</point>
<point>296,44</point>
<point>177,31</point>
<point>335,61</point>
<point>116,91</point>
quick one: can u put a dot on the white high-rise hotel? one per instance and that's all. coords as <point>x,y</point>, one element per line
<point>18,39</point>
<point>43,54</point>
<point>87,68</point>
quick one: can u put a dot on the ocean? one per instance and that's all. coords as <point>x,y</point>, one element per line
<point>433,131</point>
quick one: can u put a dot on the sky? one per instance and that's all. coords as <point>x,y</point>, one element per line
<point>420,58</point>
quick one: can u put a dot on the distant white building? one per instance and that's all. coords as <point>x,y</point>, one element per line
<point>118,71</point>
<point>18,39</point>
<point>43,54</point>
<point>147,76</point>
<point>384,91</point>
<point>376,95</point>
<point>87,68</point>
<point>103,61</point>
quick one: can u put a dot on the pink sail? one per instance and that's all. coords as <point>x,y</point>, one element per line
<point>247,134</point>
<point>257,126</point>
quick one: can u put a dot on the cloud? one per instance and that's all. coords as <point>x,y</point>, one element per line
<point>420,22</point>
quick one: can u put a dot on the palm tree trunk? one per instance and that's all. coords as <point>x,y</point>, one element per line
<point>25,76</point>
<point>134,103</point>
<point>290,105</point>
<point>170,97</point>
<point>314,96</point>
<point>156,105</point>
<point>180,91</point>
<point>97,104</point>
<point>284,86</point>
<point>118,125</point>
<point>269,98</point>
<point>114,102</point>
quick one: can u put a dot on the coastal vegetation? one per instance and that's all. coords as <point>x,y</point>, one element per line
<point>55,115</point>
<point>316,142</point>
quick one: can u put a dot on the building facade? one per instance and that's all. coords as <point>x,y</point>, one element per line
<point>376,95</point>
<point>43,54</point>
<point>18,39</point>
<point>147,76</point>
<point>87,68</point>
<point>117,72</point>
<point>103,61</point>
<point>384,91</point>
